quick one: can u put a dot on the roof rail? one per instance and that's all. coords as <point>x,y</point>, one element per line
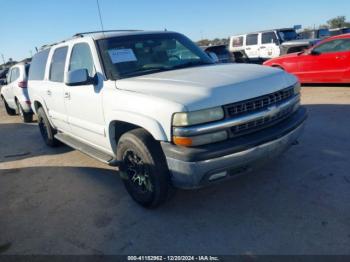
<point>104,31</point>
<point>82,34</point>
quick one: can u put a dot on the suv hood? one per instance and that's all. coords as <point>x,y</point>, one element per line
<point>298,42</point>
<point>209,86</point>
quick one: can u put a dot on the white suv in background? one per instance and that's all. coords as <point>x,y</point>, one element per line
<point>15,94</point>
<point>268,44</point>
<point>154,104</point>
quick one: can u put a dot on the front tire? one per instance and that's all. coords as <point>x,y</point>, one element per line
<point>46,130</point>
<point>9,111</point>
<point>143,169</point>
<point>26,117</point>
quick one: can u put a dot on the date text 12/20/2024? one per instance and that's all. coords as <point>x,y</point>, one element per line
<point>173,258</point>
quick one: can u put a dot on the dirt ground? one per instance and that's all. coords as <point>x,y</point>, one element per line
<point>59,201</point>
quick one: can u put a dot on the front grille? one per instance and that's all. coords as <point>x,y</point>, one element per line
<point>261,123</point>
<point>256,105</point>
<point>259,103</point>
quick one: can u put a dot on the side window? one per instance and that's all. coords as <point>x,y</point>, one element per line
<point>268,38</point>
<point>8,76</point>
<point>14,74</point>
<point>338,45</point>
<point>81,58</point>
<point>38,65</point>
<point>57,64</point>
<point>252,39</point>
<point>237,41</point>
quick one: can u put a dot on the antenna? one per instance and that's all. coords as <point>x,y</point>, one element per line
<point>99,13</point>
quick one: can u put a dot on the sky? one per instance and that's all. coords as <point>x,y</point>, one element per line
<point>26,24</point>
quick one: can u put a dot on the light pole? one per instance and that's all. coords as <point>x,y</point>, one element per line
<point>3,58</point>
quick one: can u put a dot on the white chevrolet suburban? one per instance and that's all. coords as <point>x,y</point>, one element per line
<point>154,104</point>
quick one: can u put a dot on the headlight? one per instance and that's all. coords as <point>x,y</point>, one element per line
<point>201,139</point>
<point>297,88</point>
<point>198,117</point>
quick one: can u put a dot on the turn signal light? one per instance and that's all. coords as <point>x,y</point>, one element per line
<point>182,141</point>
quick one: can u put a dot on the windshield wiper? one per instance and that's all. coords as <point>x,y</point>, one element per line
<point>143,71</point>
<point>191,64</point>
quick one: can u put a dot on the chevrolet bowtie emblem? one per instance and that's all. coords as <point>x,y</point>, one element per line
<point>272,111</point>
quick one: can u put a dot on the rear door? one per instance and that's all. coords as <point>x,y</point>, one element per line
<point>54,89</point>
<point>252,47</point>
<point>237,43</point>
<point>13,79</point>
<point>329,62</point>
<point>84,102</point>
<point>269,47</point>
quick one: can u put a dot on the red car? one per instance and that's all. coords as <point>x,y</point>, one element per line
<point>326,62</point>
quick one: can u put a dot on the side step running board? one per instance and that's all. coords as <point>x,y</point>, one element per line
<point>86,149</point>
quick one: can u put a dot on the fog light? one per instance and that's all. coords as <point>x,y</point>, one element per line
<point>218,176</point>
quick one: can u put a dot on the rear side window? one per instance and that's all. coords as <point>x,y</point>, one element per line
<point>38,65</point>
<point>81,58</point>
<point>252,39</point>
<point>14,74</point>
<point>237,41</point>
<point>268,38</point>
<point>57,64</point>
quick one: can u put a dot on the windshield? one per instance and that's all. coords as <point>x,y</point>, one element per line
<point>287,35</point>
<point>322,33</point>
<point>127,56</point>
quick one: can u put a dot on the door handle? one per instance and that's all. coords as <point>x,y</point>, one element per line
<point>67,95</point>
<point>48,92</point>
<point>248,48</point>
<point>262,47</point>
<point>340,57</point>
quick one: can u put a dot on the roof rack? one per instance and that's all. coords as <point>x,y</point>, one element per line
<point>104,31</point>
<point>82,34</point>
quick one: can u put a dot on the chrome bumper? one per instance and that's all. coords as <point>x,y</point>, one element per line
<point>190,175</point>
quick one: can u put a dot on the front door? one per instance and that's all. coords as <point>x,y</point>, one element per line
<point>269,47</point>
<point>84,102</point>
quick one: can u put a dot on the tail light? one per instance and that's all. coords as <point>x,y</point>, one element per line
<point>22,84</point>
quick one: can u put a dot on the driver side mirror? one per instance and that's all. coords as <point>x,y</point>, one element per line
<point>80,77</point>
<point>314,52</point>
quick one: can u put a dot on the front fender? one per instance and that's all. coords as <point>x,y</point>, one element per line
<point>151,125</point>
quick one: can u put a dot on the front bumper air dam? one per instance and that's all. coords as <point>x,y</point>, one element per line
<point>197,174</point>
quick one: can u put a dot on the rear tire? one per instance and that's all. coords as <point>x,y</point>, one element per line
<point>46,130</point>
<point>143,169</point>
<point>26,117</point>
<point>9,111</point>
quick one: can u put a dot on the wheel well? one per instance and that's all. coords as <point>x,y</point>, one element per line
<point>119,128</point>
<point>37,105</point>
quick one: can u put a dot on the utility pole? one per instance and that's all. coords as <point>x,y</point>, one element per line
<point>3,58</point>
